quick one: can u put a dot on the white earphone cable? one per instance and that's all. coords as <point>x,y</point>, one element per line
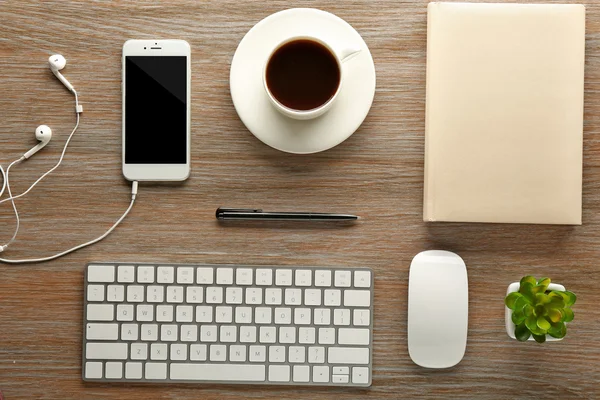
<point>3,181</point>
<point>78,110</point>
<point>7,183</point>
<point>134,189</point>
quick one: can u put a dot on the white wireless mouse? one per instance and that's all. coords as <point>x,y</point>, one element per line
<point>438,309</point>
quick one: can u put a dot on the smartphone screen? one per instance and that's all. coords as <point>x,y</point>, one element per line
<point>155,110</point>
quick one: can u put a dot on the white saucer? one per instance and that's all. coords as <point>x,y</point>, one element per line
<point>259,115</point>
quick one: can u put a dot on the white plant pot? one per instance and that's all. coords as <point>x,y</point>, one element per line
<point>510,326</point>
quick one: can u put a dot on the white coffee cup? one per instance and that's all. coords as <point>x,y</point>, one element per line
<point>341,53</point>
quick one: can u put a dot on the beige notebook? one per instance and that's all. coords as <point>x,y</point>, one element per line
<point>504,123</point>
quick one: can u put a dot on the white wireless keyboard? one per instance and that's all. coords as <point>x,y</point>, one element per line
<point>228,324</point>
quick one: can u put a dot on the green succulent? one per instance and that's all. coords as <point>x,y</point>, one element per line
<point>538,311</point>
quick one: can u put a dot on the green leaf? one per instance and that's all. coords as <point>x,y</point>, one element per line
<point>522,333</point>
<point>518,317</point>
<point>526,290</point>
<point>529,279</point>
<point>571,298</point>
<point>558,330</point>
<point>555,315</point>
<point>531,323</point>
<point>544,282</point>
<point>511,299</point>
<point>538,289</point>
<point>528,310</point>
<point>543,323</point>
<point>542,298</point>
<point>556,300</point>
<point>568,315</point>
<point>540,338</point>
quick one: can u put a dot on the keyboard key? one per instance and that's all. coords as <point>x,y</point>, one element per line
<point>221,372</point>
<point>133,370</point>
<point>243,276</point>
<point>100,312</point>
<point>237,353</point>
<point>322,278</point>
<point>204,275</point>
<point>189,333</point>
<point>312,297</point>
<point>198,352</point>
<point>156,370</point>
<point>125,274</point>
<point>276,354</point>
<point>224,276</point>
<point>297,354</point>
<point>194,294</point>
<point>279,373</point>
<point>302,316</point>
<point>145,313</point>
<point>139,351</point>
<point>149,332</point>
<point>362,279</point>
<point>174,294</point>
<point>353,336</point>
<point>204,314</point>
<point>306,335</point>
<point>342,278</point>
<point>155,294</point>
<point>301,373</point>
<point>129,332</point>
<point>287,334</point>
<point>293,297</point>
<point>184,314</point>
<point>273,296</point>
<point>164,313</point>
<point>218,352</point>
<point>303,277</point>
<point>165,275</point>
<point>125,312</point>
<point>145,275</point>
<point>361,317</point>
<point>348,355</point>
<point>340,371</point>
<point>316,355</point>
<point>106,351</point>
<point>357,298</point>
<point>264,277</point>
<point>243,315</point>
<point>248,334</point>
<point>262,315</point>
<point>283,277</point>
<point>93,370</point>
<point>101,273</point>
<point>158,351</point>
<point>102,332</point>
<point>208,333</point>
<point>254,296</point>
<point>178,352</point>
<point>233,295</point>
<point>333,297</point>
<point>185,275</point>
<point>95,293</point>
<point>268,334</point>
<point>228,334</point>
<point>168,333</point>
<point>320,374</point>
<point>339,379</point>
<point>341,316</point>
<point>135,294</point>
<point>113,370</point>
<point>322,316</point>
<point>283,315</point>
<point>258,353</point>
<point>360,375</point>
<point>214,295</point>
<point>224,315</point>
<point>115,293</point>
<point>326,335</point>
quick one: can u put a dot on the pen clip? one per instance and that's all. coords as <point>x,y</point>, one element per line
<point>246,210</point>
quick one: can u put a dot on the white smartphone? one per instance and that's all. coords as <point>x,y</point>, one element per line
<point>156,110</point>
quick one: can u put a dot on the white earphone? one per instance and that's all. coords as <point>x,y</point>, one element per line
<point>43,133</point>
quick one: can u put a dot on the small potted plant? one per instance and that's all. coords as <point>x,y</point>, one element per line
<point>538,310</point>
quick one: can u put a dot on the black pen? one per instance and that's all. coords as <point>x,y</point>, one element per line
<point>224,214</point>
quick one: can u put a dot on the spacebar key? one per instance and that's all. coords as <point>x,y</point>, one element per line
<point>218,372</point>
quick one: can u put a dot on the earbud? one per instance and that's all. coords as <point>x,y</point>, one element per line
<point>43,133</point>
<point>58,62</point>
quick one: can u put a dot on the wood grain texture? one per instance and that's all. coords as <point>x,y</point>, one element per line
<point>377,173</point>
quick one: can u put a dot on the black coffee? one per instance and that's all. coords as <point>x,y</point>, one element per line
<point>303,74</point>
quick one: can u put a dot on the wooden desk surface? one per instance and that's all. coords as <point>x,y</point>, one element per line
<point>377,173</point>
